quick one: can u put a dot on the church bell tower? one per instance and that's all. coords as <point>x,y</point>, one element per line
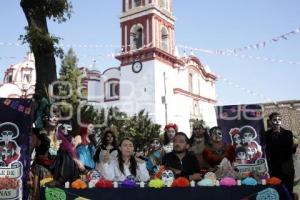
<point>147,31</point>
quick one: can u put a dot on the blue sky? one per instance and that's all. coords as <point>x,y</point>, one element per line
<point>205,24</point>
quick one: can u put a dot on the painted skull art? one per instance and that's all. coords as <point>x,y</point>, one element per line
<point>167,176</point>
<point>248,134</point>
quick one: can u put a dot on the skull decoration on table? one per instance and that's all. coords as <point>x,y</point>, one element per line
<point>167,177</point>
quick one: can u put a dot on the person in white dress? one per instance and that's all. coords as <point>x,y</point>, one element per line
<point>126,165</point>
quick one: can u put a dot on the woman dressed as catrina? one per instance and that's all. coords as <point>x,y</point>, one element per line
<point>170,131</point>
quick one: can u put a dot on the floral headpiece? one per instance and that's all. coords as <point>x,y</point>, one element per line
<point>170,125</point>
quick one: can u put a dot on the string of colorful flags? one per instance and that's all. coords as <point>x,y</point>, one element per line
<point>262,44</point>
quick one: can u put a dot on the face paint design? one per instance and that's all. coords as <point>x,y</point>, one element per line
<point>276,122</point>
<point>171,133</point>
<point>248,137</point>
<point>237,139</point>
<point>216,135</point>
<point>167,177</point>
<point>155,145</point>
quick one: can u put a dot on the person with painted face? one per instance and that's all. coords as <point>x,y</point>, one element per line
<point>182,162</point>
<point>127,165</point>
<point>170,131</point>
<point>155,154</point>
<point>279,151</point>
<point>199,140</point>
<point>217,151</point>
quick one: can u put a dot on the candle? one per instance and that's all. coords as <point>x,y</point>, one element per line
<point>217,183</point>
<point>142,184</point>
<point>91,184</point>
<point>67,184</point>
<point>263,182</point>
<point>192,183</point>
<point>239,182</point>
<point>115,184</point>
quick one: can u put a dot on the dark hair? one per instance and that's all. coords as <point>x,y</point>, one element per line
<point>133,164</point>
<point>240,149</point>
<point>247,130</point>
<point>187,140</point>
<point>44,146</point>
<point>273,115</point>
<point>206,135</point>
<point>104,143</point>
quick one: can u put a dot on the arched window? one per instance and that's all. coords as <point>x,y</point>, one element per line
<point>137,3</point>
<point>164,39</point>
<point>112,89</point>
<point>136,37</point>
<point>191,82</point>
<point>163,4</point>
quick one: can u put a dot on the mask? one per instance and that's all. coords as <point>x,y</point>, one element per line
<point>167,177</point>
<point>155,144</point>
<point>276,122</point>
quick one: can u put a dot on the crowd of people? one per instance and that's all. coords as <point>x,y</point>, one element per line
<point>57,154</point>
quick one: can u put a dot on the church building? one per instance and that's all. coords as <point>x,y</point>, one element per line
<point>152,75</point>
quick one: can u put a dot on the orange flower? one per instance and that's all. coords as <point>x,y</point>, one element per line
<point>181,182</point>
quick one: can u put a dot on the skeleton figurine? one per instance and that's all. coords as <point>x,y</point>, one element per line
<point>167,177</point>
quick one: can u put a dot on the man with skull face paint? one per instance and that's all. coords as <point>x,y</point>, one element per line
<point>180,161</point>
<point>279,149</point>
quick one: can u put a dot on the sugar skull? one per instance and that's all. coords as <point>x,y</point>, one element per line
<point>167,177</point>
<point>93,176</point>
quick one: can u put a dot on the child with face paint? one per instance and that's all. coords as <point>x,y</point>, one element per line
<point>155,155</point>
<point>217,151</point>
<point>279,150</point>
<point>170,131</point>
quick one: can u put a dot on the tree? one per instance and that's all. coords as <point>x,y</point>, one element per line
<point>70,81</point>
<point>42,44</point>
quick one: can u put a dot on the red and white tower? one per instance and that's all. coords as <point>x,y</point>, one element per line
<point>151,75</point>
<point>147,28</point>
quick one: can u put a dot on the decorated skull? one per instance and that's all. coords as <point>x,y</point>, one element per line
<point>167,177</point>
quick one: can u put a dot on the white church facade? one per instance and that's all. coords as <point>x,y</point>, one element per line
<point>151,75</point>
<point>19,79</point>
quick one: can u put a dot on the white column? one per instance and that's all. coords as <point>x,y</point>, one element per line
<point>125,39</point>
<point>148,32</point>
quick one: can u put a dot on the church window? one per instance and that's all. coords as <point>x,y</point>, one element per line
<point>164,39</point>
<point>137,3</point>
<point>190,82</point>
<point>9,78</point>
<point>112,89</point>
<point>136,37</point>
<point>163,4</point>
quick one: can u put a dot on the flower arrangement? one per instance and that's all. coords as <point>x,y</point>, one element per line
<point>78,184</point>
<point>129,183</point>
<point>104,183</point>
<point>156,183</point>
<point>249,181</point>
<point>273,181</point>
<point>227,181</point>
<point>181,182</point>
